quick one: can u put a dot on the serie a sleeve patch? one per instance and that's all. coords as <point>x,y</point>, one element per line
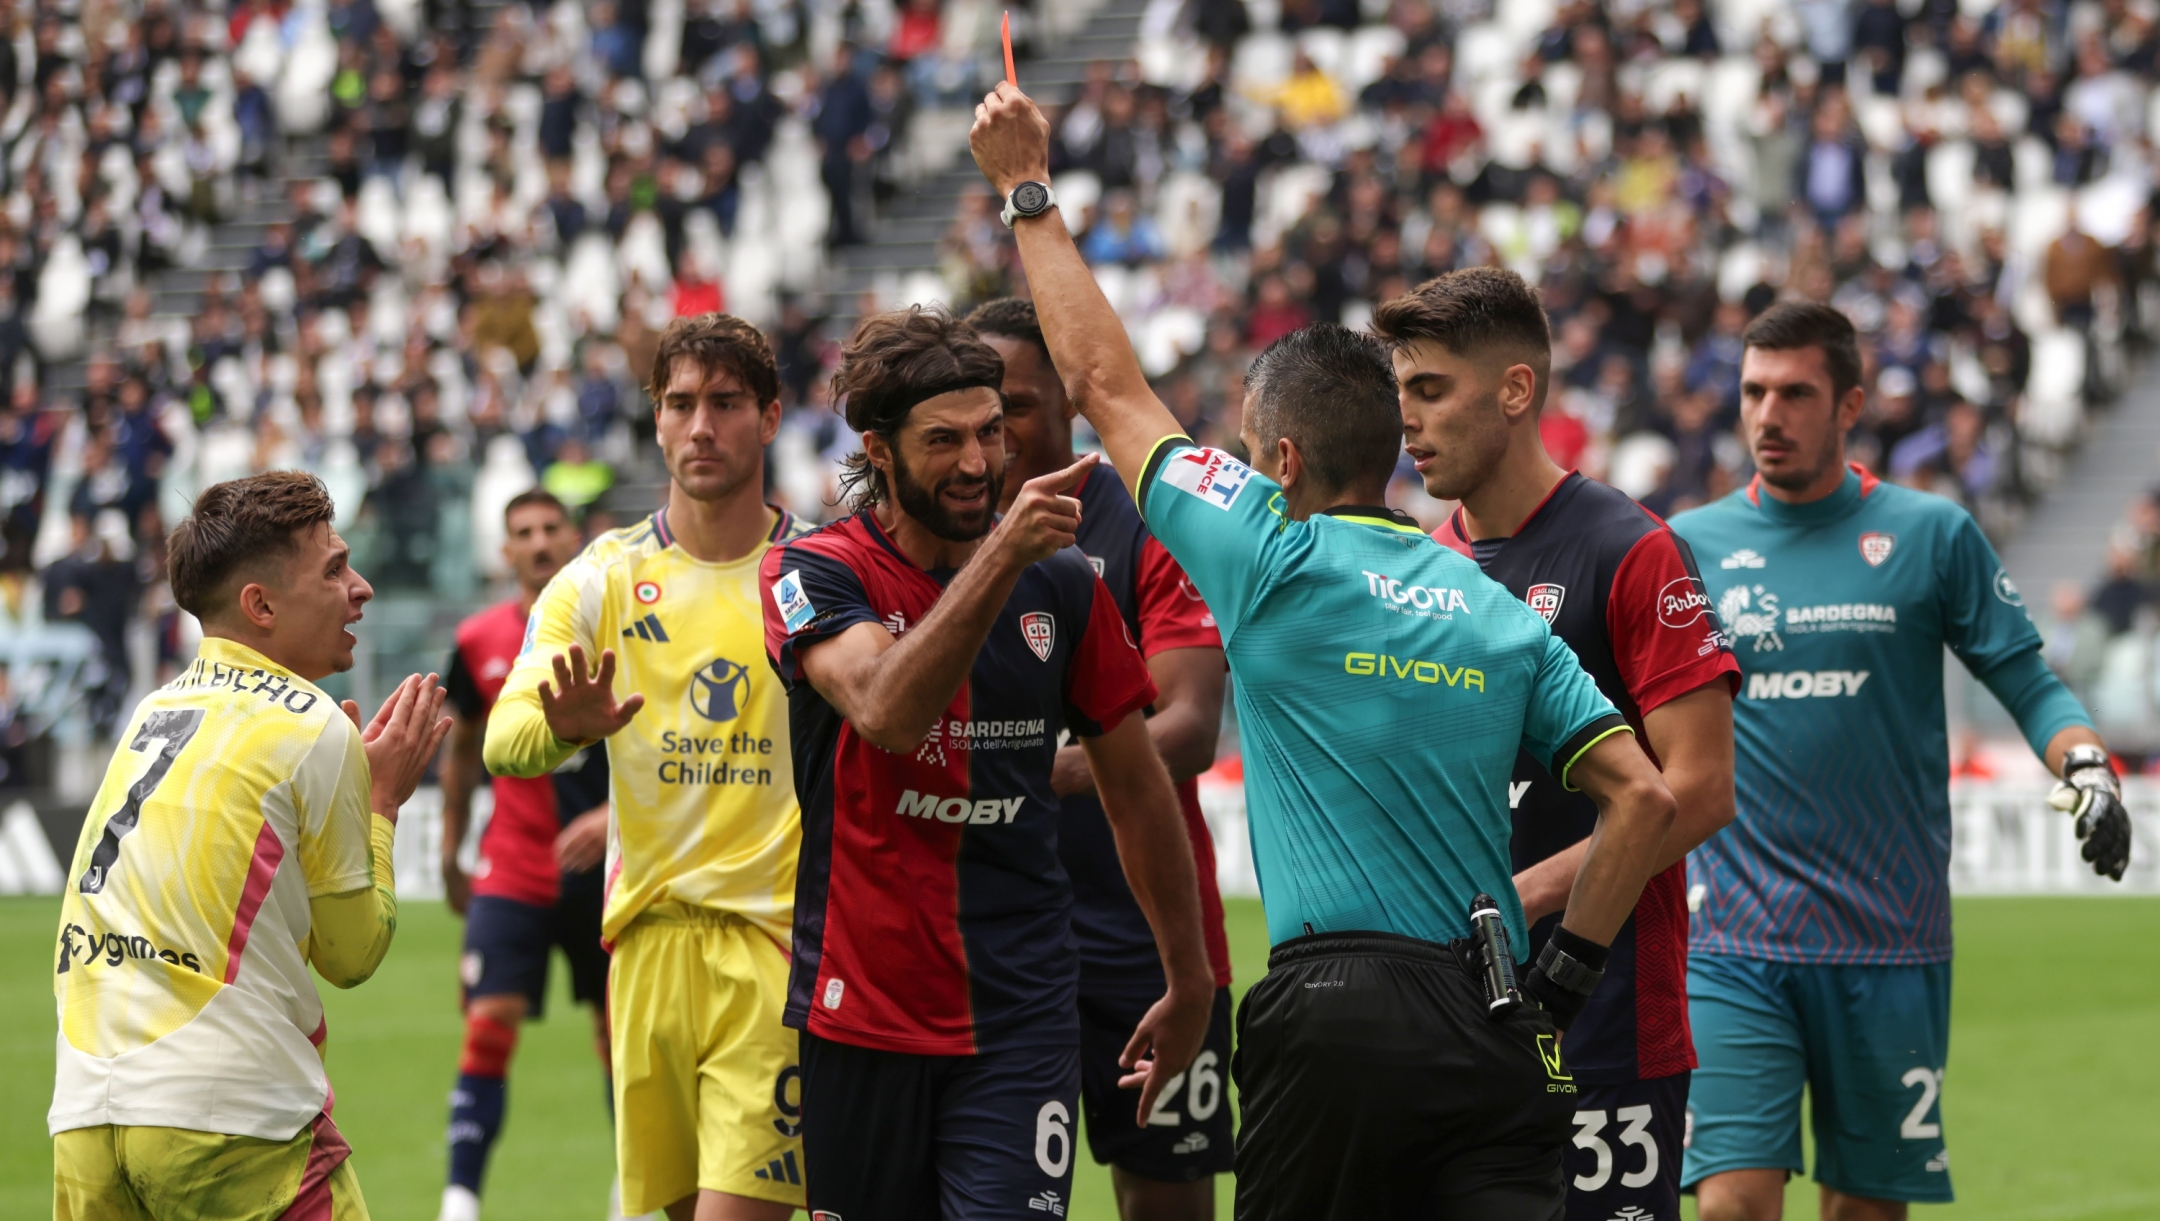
<point>793,601</point>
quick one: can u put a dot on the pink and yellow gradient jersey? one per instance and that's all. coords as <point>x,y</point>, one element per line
<point>229,847</point>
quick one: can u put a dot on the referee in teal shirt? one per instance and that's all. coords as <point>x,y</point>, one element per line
<point>1384,686</point>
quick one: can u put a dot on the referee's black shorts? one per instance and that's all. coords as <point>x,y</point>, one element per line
<point>1373,1083</point>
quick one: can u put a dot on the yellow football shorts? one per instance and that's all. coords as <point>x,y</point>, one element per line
<point>172,1174</point>
<point>708,1090</point>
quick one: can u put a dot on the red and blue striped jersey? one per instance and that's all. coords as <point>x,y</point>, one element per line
<point>1163,611</point>
<point>932,915</point>
<point>1622,590</point>
<point>517,849</point>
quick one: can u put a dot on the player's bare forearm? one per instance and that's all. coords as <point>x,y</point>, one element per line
<point>2064,740</point>
<point>460,773</point>
<point>1094,358</point>
<point>1692,736</point>
<point>1186,723</point>
<point>1635,813</point>
<point>894,691</point>
<point>1142,808</point>
<point>350,933</point>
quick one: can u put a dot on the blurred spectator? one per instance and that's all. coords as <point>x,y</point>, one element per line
<point>843,115</point>
<point>2076,267</point>
<point>1309,98</point>
<point>2119,596</point>
<point>96,584</point>
<point>2074,638</point>
<point>1123,234</point>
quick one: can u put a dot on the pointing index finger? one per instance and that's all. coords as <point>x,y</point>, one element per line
<point>1070,477</point>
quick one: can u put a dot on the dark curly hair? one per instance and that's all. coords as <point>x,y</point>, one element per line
<point>716,341</point>
<point>893,361</point>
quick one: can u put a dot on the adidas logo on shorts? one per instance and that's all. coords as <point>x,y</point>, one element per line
<point>1047,1202</point>
<point>1194,1142</point>
<point>782,1169</point>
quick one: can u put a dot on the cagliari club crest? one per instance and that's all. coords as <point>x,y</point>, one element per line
<point>1545,599</point>
<point>1875,547</point>
<point>1040,632</point>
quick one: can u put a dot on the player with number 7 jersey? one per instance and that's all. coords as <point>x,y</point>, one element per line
<point>242,787</point>
<point>242,833</point>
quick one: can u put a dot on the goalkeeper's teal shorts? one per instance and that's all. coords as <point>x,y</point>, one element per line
<point>1868,1043</point>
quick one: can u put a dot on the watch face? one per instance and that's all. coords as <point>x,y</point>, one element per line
<point>1030,197</point>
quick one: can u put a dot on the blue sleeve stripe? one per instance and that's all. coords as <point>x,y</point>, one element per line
<point>1155,456</point>
<point>1598,730</point>
<point>2040,703</point>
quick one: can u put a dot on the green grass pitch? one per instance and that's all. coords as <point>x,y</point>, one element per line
<point>2049,1100</point>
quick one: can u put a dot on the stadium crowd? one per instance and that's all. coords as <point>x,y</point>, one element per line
<point>483,215</point>
<point>488,212</point>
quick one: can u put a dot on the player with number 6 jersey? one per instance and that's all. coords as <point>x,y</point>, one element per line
<point>934,653</point>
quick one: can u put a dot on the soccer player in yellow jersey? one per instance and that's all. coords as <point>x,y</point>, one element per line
<point>704,831</point>
<point>242,834</point>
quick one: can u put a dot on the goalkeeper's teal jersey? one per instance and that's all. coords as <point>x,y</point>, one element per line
<point>1839,610</point>
<point>1383,686</point>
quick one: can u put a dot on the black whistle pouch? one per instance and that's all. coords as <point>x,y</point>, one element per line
<point>1493,959</point>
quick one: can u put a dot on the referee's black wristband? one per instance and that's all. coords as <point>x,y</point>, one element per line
<point>1583,950</point>
<point>1563,978</point>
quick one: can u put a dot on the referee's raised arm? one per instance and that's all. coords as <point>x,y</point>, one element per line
<point>1011,142</point>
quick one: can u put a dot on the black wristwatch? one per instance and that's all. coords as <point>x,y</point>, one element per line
<point>1028,199</point>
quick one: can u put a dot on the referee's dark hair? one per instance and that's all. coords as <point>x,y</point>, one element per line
<point>1790,325</point>
<point>1469,312</point>
<point>1332,392</point>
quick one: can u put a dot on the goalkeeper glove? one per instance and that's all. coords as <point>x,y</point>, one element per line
<point>1567,972</point>
<point>2090,792</point>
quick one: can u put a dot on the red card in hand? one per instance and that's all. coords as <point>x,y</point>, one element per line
<point>1011,77</point>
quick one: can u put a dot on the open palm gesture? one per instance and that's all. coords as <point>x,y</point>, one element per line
<point>580,705</point>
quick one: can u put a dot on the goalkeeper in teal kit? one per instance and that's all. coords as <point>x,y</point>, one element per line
<point>1820,940</point>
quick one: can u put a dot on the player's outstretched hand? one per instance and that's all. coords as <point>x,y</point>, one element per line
<point>1010,139</point>
<point>2102,823</point>
<point>407,731</point>
<point>1163,1046</point>
<point>580,707</point>
<point>1043,519</point>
